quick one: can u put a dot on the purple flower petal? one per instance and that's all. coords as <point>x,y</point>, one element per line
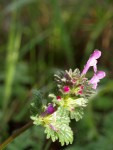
<point>92,62</point>
<point>50,109</point>
<point>101,74</point>
<point>96,78</point>
<point>96,54</point>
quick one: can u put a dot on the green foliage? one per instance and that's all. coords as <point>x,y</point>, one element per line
<point>103,103</point>
<point>64,135</point>
<point>28,139</point>
<point>102,144</point>
<point>77,114</point>
<point>37,103</point>
<point>11,62</point>
<point>56,126</point>
<point>108,127</point>
<point>60,124</point>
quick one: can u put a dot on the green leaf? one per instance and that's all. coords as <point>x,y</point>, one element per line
<point>59,127</point>
<point>36,120</point>
<point>77,114</point>
<point>37,104</point>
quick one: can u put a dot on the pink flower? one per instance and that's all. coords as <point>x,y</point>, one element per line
<point>73,81</point>
<point>59,98</point>
<point>66,89</point>
<point>80,92</point>
<point>81,89</point>
<point>92,62</point>
<point>96,78</point>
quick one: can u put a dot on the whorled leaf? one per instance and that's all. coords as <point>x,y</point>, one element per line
<point>58,127</point>
<point>72,105</point>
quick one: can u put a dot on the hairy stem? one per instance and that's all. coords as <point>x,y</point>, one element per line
<point>16,134</point>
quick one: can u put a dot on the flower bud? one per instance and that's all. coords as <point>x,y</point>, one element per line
<point>58,98</point>
<point>50,109</point>
<point>66,89</point>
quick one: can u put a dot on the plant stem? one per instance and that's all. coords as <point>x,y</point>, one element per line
<point>47,146</point>
<point>16,134</point>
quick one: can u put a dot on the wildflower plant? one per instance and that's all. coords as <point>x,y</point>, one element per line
<point>74,92</point>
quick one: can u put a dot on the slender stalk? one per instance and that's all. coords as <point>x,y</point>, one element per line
<point>16,134</point>
<point>47,146</point>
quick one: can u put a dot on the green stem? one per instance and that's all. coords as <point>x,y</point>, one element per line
<point>47,145</point>
<point>16,134</point>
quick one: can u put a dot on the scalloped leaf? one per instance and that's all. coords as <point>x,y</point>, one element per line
<point>77,114</point>
<point>59,127</point>
<point>36,120</point>
<point>64,134</point>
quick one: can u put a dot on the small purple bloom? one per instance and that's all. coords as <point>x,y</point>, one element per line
<point>50,109</point>
<point>92,62</point>
<point>96,78</point>
<point>66,89</point>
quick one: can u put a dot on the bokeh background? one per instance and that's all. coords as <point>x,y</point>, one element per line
<point>40,37</point>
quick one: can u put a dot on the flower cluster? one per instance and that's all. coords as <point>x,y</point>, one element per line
<point>74,91</point>
<point>92,62</point>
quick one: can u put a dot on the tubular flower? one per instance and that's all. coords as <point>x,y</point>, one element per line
<point>97,74</point>
<point>96,78</point>
<point>92,61</point>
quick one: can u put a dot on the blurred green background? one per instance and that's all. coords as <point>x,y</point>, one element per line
<point>40,37</point>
